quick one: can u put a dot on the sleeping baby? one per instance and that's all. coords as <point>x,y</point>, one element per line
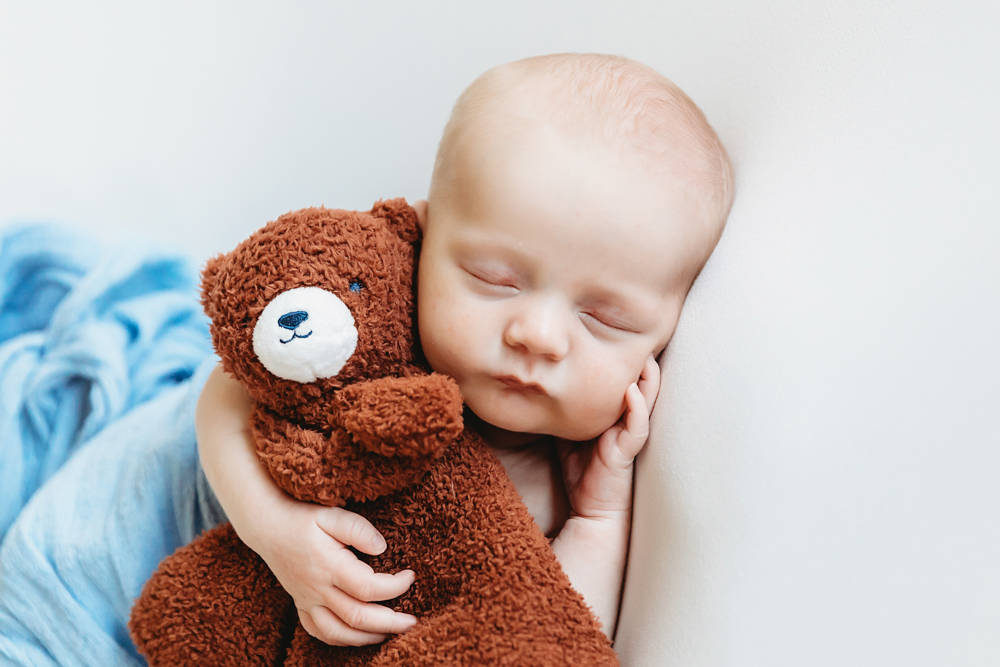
<point>573,202</point>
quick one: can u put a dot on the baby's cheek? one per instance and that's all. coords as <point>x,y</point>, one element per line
<point>455,350</point>
<point>605,391</point>
<point>593,412</point>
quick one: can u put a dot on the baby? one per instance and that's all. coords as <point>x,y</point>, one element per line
<point>573,202</point>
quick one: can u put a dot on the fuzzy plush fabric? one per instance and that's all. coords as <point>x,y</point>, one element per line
<point>383,438</point>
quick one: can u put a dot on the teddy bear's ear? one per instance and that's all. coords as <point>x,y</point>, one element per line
<point>208,280</point>
<point>402,218</point>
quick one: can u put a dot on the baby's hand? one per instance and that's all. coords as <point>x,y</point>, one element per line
<point>593,543</point>
<point>306,547</point>
<point>598,475</point>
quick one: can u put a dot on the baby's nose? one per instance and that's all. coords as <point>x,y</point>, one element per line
<point>539,332</point>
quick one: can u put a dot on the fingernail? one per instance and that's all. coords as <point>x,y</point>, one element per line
<point>378,543</point>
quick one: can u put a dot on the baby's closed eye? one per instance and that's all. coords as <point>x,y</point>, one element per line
<point>592,319</point>
<point>495,278</point>
<point>607,322</point>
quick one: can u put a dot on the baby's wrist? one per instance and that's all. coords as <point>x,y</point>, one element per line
<point>592,553</point>
<point>258,523</point>
<point>596,530</point>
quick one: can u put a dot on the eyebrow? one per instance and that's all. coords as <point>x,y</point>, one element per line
<point>475,245</point>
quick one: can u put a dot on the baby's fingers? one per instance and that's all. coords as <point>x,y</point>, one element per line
<point>368,616</point>
<point>649,381</point>
<point>360,581</point>
<point>633,437</point>
<point>322,624</point>
<point>350,528</point>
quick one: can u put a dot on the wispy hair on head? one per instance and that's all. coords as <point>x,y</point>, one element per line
<point>623,101</point>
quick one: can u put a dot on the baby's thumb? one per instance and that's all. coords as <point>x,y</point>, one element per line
<point>351,529</point>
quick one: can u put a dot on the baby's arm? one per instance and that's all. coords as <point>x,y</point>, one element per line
<point>593,544</point>
<point>305,545</point>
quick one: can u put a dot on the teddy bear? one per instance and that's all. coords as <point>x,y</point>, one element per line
<point>314,315</point>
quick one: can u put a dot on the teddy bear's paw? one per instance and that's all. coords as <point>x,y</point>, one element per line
<point>409,417</point>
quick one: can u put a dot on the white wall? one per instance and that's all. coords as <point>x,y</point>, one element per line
<point>822,485</point>
<point>199,121</point>
<point>823,489</point>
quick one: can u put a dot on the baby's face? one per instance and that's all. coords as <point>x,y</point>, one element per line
<point>550,271</point>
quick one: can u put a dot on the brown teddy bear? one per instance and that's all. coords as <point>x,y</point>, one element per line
<point>314,315</point>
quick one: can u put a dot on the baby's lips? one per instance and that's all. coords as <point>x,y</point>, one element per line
<point>516,383</point>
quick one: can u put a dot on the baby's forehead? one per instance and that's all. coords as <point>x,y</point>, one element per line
<point>604,215</point>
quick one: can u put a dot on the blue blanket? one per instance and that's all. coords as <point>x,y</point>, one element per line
<point>102,358</point>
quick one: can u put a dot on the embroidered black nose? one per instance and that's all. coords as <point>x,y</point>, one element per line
<point>292,320</point>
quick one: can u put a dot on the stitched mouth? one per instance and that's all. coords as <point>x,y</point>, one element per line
<point>294,336</point>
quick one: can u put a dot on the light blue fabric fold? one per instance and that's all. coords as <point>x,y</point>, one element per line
<point>102,358</point>
<point>84,337</point>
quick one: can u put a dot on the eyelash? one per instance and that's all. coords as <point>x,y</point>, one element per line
<point>490,282</point>
<point>606,325</point>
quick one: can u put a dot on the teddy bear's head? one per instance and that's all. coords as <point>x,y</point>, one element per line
<point>315,301</point>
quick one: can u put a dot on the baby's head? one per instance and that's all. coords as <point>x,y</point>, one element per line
<point>574,200</point>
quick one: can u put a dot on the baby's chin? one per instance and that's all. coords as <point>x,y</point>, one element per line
<point>507,430</point>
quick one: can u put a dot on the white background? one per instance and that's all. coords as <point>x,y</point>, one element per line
<point>823,483</point>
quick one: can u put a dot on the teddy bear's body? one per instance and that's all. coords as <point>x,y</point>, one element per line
<point>381,437</point>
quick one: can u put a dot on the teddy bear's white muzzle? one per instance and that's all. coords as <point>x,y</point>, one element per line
<point>305,334</point>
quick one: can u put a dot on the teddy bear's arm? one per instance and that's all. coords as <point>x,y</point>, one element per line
<point>412,417</point>
<point>300,460</point>
<point>328,467</point>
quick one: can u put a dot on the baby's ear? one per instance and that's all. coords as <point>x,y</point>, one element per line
<point>402,218</point>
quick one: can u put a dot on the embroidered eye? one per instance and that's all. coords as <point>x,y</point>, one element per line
<point>356,285</point>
